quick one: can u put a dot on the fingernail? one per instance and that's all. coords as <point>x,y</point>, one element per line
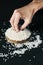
<point>17,30</point>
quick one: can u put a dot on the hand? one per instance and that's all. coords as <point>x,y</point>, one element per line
<point>26,13</point>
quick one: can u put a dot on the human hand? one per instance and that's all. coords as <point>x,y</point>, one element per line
<point>26,13</point>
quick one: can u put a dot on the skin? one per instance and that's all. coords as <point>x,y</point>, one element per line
<point>26,13</point>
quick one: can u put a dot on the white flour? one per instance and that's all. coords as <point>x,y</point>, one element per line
<point>20,49</point>
<point>13,35</point>
<point>29,45</point>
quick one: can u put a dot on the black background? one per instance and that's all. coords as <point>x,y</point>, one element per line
<point>6,9</point>
<point>8,6</point>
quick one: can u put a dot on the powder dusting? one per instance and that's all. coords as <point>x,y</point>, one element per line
<point>9,50</point>
<point>20,49</point>
<point>13,35</point>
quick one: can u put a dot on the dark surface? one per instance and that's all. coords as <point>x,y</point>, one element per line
<point>37,24</point>
<point>8,6</point>
<point>27,58</point>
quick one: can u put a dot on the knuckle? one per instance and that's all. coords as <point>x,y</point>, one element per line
<point>16,10</point>
<point>10,20</point>
<point>14,24</point>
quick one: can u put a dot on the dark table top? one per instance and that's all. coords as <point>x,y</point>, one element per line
<point>28,57</point>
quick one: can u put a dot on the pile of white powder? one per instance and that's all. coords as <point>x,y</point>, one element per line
<point>18,36</point>
<point>20,49</point>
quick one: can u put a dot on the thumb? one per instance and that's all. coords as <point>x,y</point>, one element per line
<point>27,21</point>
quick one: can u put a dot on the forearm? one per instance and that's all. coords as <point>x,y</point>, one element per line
<point>39,3</point>
<point>38,0</point>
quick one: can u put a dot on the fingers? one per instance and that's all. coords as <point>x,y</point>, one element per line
<point>16,21</point>
<point>24,25</point>
<point>12,20</point>
<point>16,17</point>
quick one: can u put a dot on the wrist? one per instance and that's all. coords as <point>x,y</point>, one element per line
<point>38,5</point>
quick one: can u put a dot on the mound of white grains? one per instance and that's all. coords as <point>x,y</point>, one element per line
<point>20,49</point>
<point>13,35</point>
